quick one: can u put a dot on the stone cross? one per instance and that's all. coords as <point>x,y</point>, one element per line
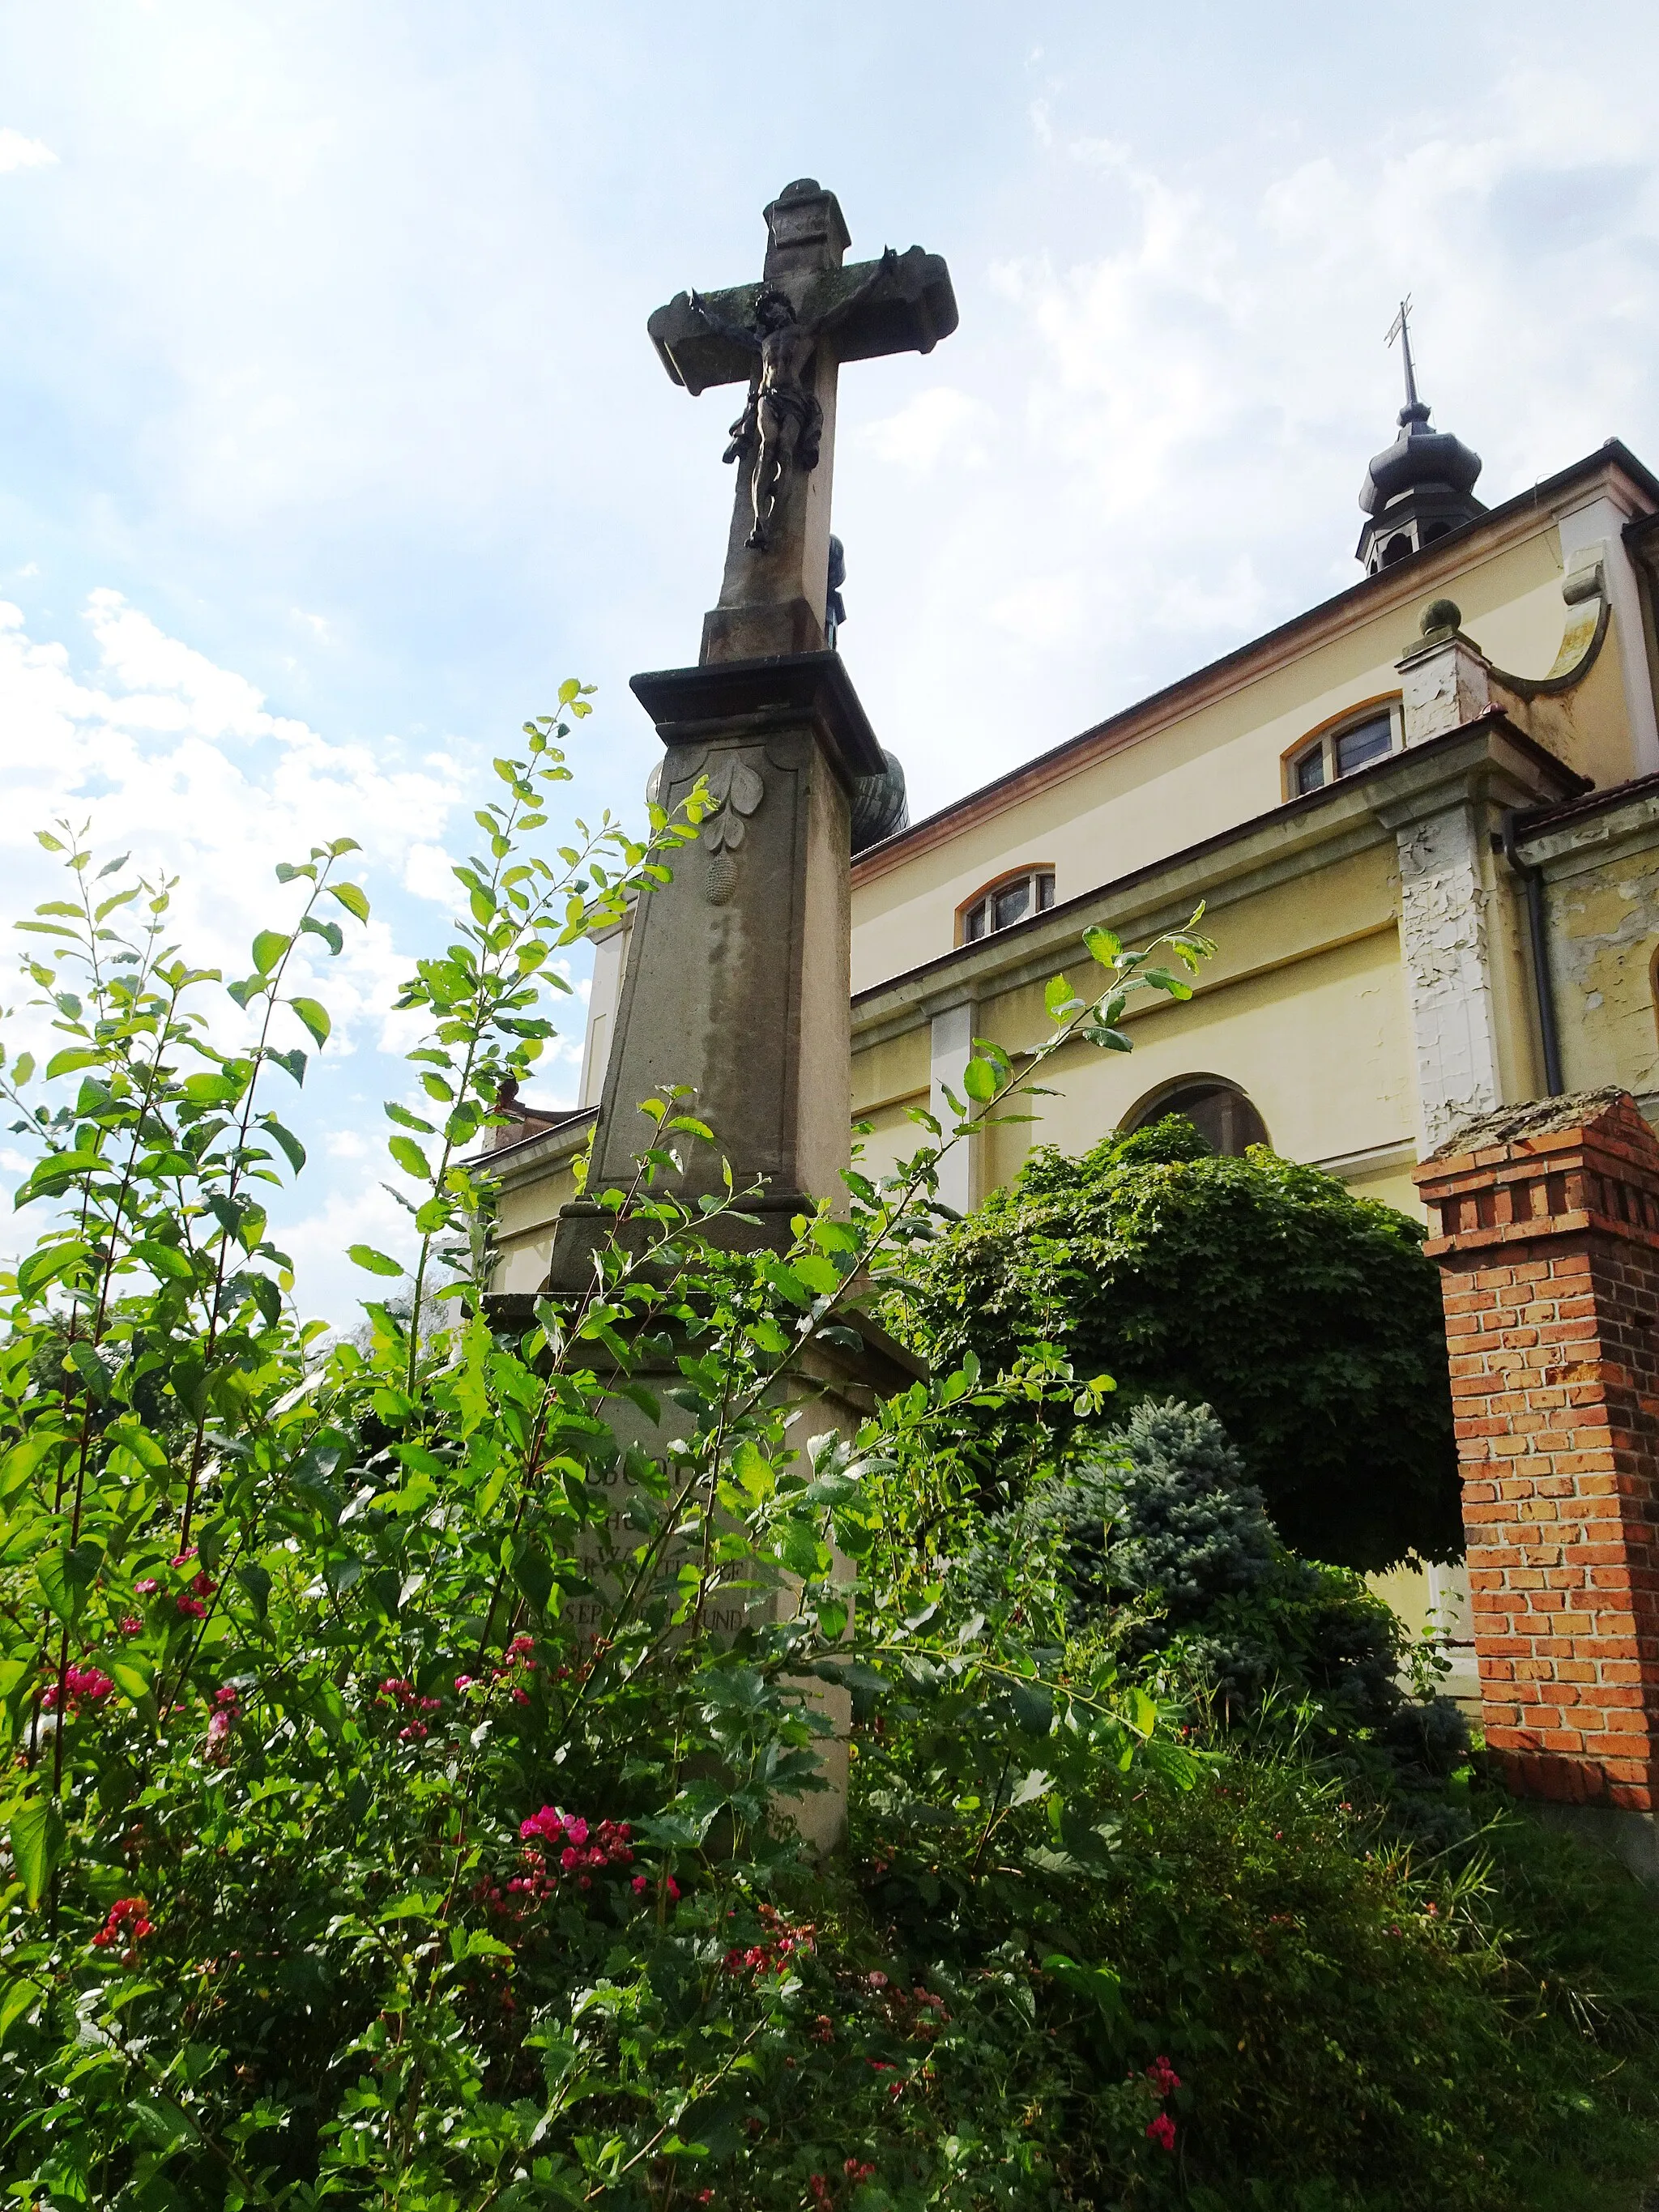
<point>737,974</point>
<point>785,338</point>
<point>737,981</point>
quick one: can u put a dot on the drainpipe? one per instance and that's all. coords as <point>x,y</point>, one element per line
<point>1532,883</point>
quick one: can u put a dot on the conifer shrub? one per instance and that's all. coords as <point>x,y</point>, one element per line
<point>1306,1316</point>
<point>1162,1545</point>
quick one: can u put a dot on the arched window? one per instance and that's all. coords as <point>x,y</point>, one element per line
<point>1369,733</point>
<point>1009,899</point>
<point>1217,1110</point>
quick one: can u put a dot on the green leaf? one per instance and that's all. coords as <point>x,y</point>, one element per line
<point>47,1265</point>
<point>1161,978</point>
<point>72,1056</point>
<point>65,1575</point>
<point>1099,1984</point>
<point>21,1995</point>
<point>256,1581</point>
<point>89,1367</point>
<point>269,947</point>
<point>285,1137</point>
<point>1104,945</point>
<point>409,1157</point>
<point>378,1263</point>
<point>979,1081</point>
<point>132,1680</point>
<point>331,932</point>
<point>315,1017</point>
<point>293,1063</point>
<point>165,1260</point>
<point>533,1576</point>
<point>408,1120</point>
<point>351,898</point>
<point>37,1846</point>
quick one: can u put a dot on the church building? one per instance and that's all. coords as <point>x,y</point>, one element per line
<point>1423,819</point>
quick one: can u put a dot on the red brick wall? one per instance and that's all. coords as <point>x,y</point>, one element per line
<point>1549,1254</point>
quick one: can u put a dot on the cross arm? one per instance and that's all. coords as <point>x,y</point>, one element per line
<point>909,311</point>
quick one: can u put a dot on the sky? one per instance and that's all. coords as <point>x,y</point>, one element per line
<point>330,438</point>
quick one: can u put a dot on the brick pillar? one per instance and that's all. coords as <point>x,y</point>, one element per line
<point>1548,1245</point>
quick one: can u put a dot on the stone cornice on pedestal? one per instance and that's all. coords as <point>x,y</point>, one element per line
<point>745,698</point>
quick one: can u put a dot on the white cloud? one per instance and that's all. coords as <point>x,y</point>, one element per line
<point>428,874</point>
<point>17,152</point>
<point>939,423</point>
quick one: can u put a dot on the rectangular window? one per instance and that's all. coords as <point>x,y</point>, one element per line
<point>1364,742</point>
<point>973,924</point>
<point>1310,770</point>
<point>1045,893</point>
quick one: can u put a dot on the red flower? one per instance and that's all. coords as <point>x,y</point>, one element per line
<point>147,1588</point>
<point>131,1624</point>
<point>1163,2076</point>
<point>130,1915</point>
<point>1162,2131</point>
<point>192,1608</point>
<point>88,1686</point>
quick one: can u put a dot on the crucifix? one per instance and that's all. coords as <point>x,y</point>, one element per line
<point>737,978</point>
<point>785,338</point>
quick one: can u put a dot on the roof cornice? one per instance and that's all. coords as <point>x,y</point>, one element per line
<point>1489,756</point>
<point>1420,573</point>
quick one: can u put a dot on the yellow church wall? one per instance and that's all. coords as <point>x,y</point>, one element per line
<point>893,1069</point>
<point>1211,765</point>
<point>1604,936</point>
<point>1321,1051</point>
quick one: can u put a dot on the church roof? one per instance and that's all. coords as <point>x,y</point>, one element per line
<point>1403,581</point>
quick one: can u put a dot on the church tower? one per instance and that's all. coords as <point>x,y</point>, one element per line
<point>1422,486</point>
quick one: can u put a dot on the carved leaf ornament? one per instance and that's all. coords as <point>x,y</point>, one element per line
<point>735,789</point>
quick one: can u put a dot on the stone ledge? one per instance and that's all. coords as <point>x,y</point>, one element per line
<point>735,698</point>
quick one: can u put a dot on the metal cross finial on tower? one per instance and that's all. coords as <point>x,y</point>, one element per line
<point>1401,328</point>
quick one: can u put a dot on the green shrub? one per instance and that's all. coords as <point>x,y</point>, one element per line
<point>386,1825</point>
<point>1306,1316</point>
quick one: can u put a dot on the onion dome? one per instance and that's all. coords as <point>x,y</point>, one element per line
<point>1419,488</point>
<point>880,805</point>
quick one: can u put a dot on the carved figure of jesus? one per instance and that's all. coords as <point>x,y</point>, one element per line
<point>782,422</point>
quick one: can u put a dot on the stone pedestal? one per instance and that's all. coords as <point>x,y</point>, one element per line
<point>738,980</point>
<point>830,1389</point>
<point>1548,1245</point>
